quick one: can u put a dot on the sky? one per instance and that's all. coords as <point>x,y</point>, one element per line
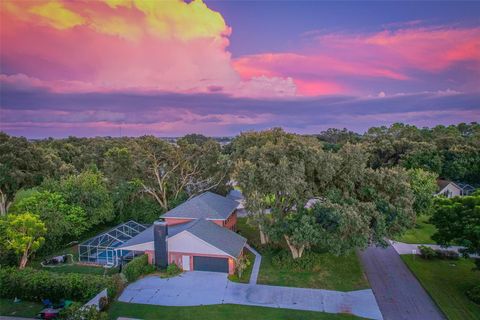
<point>169,68</point>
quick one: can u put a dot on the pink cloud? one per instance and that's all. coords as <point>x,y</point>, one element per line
<point>87,45</point>
<point>391,55</point>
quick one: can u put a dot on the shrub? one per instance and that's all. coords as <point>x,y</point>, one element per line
<point>283,259</point>
<point>427,252</point>
<point>33,285</point>
<point>138,267</point>
<point>447,254</point>
<point>77,312</point>
<point>173,270</point>
<point>474,294</point>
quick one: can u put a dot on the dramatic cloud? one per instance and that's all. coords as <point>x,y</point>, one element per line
<point>143,45</point>
<point>341,62</point>
<point>164,67</point>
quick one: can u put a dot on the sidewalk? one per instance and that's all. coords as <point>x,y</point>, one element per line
<point>256,265</point>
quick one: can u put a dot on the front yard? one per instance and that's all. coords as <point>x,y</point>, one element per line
<point>317,270</point>
<point>446,281</point>
<point>216,312</point>
<point>420,234</point>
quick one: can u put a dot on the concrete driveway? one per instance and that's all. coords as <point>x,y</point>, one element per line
<point>205,288</point>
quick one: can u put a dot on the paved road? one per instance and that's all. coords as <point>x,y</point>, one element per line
<point>399,294</point>
<point>203,288</point>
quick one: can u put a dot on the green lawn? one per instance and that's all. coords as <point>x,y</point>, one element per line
<point>342,273</point>
<point>421,233</point>
<point>446,281</point>
<point>215,312</point>
<point>246,274</point>
<point>19,309</point>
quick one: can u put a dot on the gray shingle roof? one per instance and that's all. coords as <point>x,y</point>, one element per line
<point>224,239</point>
<point>207,205</point>
<point>147,234</point>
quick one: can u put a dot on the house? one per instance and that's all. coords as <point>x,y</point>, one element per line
<point>197,235</point>
<point>451,189</point>
<point>237,195</point>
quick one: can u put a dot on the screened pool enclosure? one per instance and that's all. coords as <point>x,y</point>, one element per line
<point>101,248</point>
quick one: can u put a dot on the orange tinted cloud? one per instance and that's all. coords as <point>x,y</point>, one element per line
<point>135,44</point>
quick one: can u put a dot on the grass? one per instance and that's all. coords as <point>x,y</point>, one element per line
<point>216,312</point>
<point>19,309</point>
<point>446,281</point>
<point>246,274</point>
<point>342,273</point>
<point>421,233</point>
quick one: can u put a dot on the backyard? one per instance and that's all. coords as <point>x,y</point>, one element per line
<point>19,309</point>
<point>216,312</point>
<point>420,234</point>
<point>316,270</point>
<point>446,281</point>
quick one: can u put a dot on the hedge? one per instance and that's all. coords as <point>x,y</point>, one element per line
<point>138,267</point>
<point>33,285</point>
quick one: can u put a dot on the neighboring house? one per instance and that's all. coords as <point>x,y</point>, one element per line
<point>236,195</point>
<point>196,235</point>
<point>466,188</point>
<point>451,189</point>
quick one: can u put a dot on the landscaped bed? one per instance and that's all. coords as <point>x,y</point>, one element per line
<point>447,281</point>
<point>322,270</point>
<point>215,312</point>
<point>245,278</point>
<point>420,234</point>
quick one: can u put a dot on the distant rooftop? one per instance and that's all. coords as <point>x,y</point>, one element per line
<point>207,205</point>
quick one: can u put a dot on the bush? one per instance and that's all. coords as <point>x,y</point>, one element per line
<point>427,252</point>
<point>474,294</point>
<point>173,270</point>
<point>283,259</point>
<point>138,267</point>
<point>447,254</point>
<point>34,285</point>
<point>77,312</point>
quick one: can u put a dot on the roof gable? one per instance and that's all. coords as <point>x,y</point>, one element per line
<point>207,205</point>
<point>224,239</point>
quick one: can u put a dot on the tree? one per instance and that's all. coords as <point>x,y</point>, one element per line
<point>458,221</point>
<point>298,229</point>
<point>272,170</point>
<point>343,227</point>
<point>22,165</point>
<point>24,234</point>
<point>172,170</point>
<point>62,220</point>
<point>87,190</point>
<point>423,185</point>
